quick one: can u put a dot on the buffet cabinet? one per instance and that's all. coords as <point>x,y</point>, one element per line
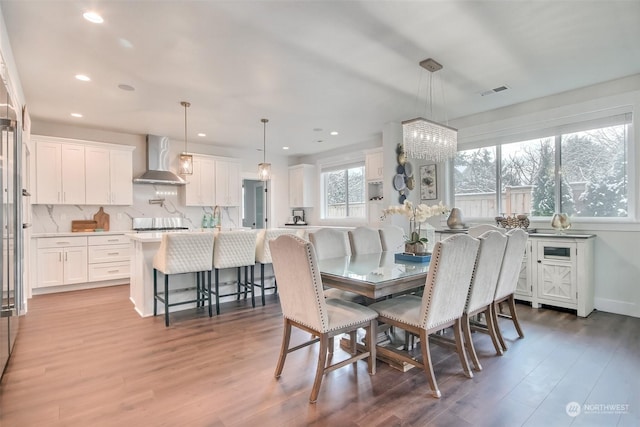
<point>556,270</point>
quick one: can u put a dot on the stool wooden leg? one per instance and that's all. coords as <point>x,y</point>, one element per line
<point>166,300</point>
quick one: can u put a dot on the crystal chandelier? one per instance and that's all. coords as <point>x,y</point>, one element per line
<point>426,139</point>
<point>264,168</point>
<point>185,160</point>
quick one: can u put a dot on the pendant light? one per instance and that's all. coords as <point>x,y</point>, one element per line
<point>426,139</point>
<point>264,168</point>
<point>186,160</point>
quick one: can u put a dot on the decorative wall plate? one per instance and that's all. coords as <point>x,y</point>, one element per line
<point>398,182</point>
<point>408,169</point>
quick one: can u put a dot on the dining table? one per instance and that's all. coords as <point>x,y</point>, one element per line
<point>374,275</point>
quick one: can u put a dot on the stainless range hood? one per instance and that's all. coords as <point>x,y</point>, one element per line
<point>158,163</point>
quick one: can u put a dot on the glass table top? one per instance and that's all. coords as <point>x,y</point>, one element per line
<point>372,268</point>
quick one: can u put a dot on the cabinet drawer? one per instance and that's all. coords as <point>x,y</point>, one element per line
<point>109,253</point>
<point>117,239</point>
<point>61,242</point>
<point>108,271</point>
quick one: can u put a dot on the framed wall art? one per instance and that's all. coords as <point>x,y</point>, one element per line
<point>428,182</point>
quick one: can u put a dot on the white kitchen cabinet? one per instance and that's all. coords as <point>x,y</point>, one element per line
<point>562,273</point>
<point>60,173</point>
<point>228,183</point>
<point>121,174</point>
<point>109,174</point>
<point>374,165</point>
<point>301,186</point>
<point>108,257</point>
<point>200,190</point>
<point>61,261</point>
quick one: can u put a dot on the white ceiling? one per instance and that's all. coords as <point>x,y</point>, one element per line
<point>349,66</point>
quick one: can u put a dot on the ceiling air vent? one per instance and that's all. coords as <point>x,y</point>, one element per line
<point>494,90</point>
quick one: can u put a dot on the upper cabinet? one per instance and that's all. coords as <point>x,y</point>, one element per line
<point>228,185</point>
<point>60,173</point>
<point>374,165</point>
<point>72,172</point>
<point>301,185</point>
<point>199,190</point>
<point>109,174</point>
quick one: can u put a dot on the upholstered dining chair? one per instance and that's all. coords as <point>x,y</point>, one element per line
<point>441,304</point>
<point>508,281</point>
<point>304,307</point>
<point>392,238</point>
<point>364,240</point>
<point>235,249</point>
<point>183,253</point>
<point>483,289</point>
<point>330,243</point>
<point>480,229</point>
<point>263,255</point>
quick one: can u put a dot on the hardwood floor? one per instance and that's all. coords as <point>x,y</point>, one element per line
<point>86,358</point>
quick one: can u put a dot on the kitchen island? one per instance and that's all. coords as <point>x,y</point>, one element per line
<point>145,246</point>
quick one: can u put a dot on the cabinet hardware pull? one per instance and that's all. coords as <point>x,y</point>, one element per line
<point>63,243</point>
<point>112,240</point>
<point>66,257</point>
<point>113,271</point>
<point>113,253</point>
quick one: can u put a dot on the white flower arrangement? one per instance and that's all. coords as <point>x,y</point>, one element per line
<point>417,214</point>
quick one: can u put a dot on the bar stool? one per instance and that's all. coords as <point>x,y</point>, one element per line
<point>263,255</point>
<point>235,249</point>
<point>181,253</point>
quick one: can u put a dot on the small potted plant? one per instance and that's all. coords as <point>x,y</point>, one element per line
<point>415,244</point>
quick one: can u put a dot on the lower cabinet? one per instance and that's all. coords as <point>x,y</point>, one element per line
<point>81,259</point>
<point>108,257</point>
<point>61,261</point>
<point>562,273</point>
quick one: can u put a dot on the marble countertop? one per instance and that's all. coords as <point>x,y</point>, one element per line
<point>79,233</point>
<point>532,233</point>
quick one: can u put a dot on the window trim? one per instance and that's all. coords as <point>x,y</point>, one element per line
<point>602,118</point>
<point>340,166</point>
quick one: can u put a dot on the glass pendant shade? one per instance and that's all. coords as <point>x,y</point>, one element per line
<point>186,164</point>
<point>185,160</point>
<point>427,140</point>
<point>264,168</point>
<point>264,171</point>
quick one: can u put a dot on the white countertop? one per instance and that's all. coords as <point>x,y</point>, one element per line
<point>79,233</point>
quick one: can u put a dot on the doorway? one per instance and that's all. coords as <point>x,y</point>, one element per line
<point>254,201</point>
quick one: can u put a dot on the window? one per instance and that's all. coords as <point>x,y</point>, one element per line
<point>583,174</point>
<point>344,193</point>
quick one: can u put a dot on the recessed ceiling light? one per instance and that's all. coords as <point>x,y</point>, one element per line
<point>334,133</point>
<point>126,87</point>
<point>285,148</point>
<point>202,134</point>
<point>83,78</point>
<point>93,17</point>
<point>78,115</point>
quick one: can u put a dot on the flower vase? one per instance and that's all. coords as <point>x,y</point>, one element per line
<point>414,246</point>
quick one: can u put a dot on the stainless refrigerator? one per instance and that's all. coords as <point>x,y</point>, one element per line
<point>11,289</point>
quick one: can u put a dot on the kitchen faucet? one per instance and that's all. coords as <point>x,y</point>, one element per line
<point>217,218</point>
